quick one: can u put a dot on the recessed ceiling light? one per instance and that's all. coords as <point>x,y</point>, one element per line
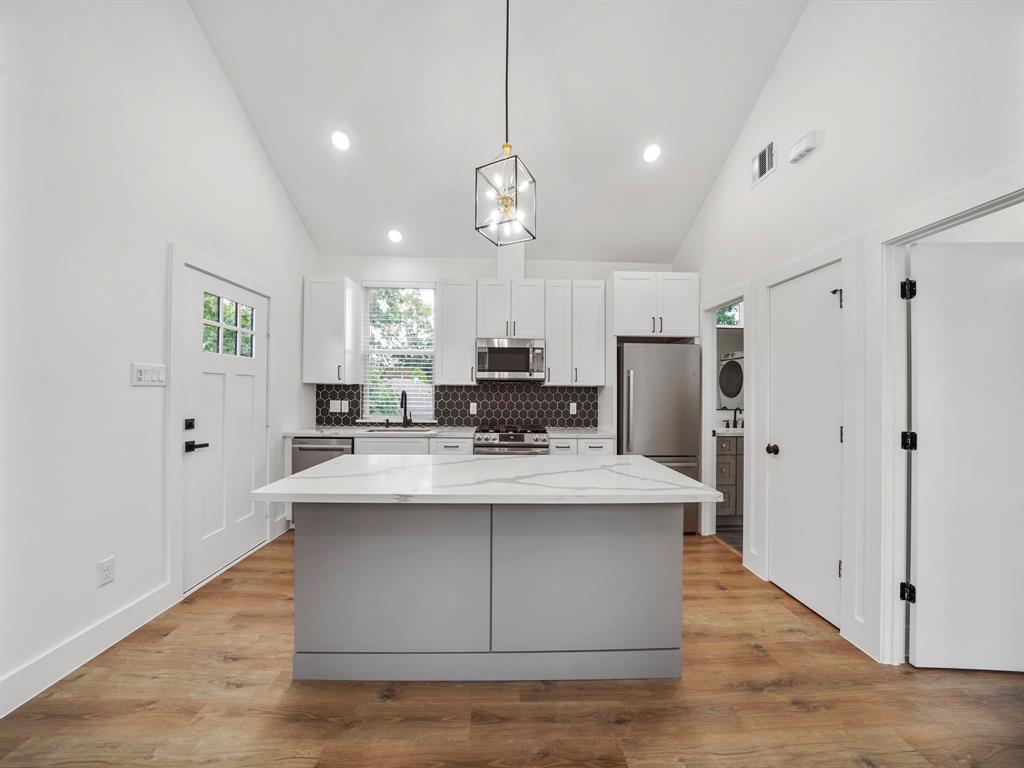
<point>652,152</point>
<point>394,236</point>
<point>340,140</point>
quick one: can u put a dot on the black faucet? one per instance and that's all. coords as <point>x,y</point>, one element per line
<point>735,423</point>
<point>404,403</point>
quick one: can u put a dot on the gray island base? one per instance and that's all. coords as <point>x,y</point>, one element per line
<point>487,567</point>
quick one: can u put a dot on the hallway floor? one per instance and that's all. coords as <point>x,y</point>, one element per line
<point>765,683</point>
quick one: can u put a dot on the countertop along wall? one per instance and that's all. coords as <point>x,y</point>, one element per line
<point>917,101</point>
<point>120,133</point>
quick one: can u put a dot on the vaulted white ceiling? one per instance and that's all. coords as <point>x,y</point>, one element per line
<point>418,88</point>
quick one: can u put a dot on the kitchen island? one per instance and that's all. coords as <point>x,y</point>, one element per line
<point>487,567</point>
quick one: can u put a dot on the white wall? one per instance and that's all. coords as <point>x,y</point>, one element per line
<point>120,134</point>
<point>918,103</point>
<point>426,268</point>
<point>916,100</point>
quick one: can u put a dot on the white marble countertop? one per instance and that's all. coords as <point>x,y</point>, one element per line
<point>382,479</point>
<point>436,431</point>
<point>728,431</point>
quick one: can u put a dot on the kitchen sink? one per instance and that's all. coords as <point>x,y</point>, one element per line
<point>402,429</point>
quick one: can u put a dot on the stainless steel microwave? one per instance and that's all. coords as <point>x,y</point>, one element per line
<point>510,360</point>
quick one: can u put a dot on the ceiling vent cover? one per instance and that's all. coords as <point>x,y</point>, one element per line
<point>764,163</point>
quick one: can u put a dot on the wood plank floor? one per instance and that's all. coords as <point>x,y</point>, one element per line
<point>766,683</point>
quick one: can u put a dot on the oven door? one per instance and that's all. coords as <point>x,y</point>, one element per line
<point>509,450</point>
<point>510,360</point>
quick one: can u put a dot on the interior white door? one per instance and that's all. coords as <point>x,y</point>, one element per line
<point>679,304</point>
<point>967,491</point>
<point>588,332</point>
<point>558,332</point>
<point>528,309</point>
<point>493,309</point>
<point>804,419</point>
<point>455,344</point>
<point>224,384</point>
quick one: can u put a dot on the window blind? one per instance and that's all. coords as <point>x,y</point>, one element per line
<point>398,350</point>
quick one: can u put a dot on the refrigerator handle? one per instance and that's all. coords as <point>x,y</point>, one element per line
<point>629,411</point>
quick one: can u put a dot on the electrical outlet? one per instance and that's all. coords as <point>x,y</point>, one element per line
<point>472,409</point>
<point>335,406</point>
<point>344,406</point>
<point>572,409</point>
<point>105,571</point>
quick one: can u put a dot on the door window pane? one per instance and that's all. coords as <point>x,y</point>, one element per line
<point>245,316</point>
<point>229,340</point>
<point>211,307</point>
<point>210,333</point>
<point>244,344</point>
<point>229,312</point>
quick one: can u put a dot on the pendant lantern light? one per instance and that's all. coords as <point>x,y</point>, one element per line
<point>506,192</point>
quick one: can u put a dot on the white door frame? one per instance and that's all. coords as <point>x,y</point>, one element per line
<point>886,342</point>
<point>709,402</point>
<point>180,258</point>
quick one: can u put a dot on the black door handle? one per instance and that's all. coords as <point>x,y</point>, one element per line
<point>772,449</point>
<point>191,445</point>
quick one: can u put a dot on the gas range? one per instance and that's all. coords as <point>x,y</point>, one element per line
<point>504,440</point>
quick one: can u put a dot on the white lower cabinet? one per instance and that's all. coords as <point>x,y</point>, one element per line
<point>392,445</point>
<point>563,447</point>
<point>598,446</point>
<point>455,446</point>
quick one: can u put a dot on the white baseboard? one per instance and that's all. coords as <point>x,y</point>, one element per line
<point>35,676</point>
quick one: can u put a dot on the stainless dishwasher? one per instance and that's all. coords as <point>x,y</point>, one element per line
<point>309,451</point>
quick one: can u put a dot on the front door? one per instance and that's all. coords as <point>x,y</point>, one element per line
<point>225,397</point>
<point>804,418</point>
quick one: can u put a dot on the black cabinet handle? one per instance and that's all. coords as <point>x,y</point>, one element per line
<point>339,373</point>
<point>191,445</point>
<point>653,325</point>
<point>661,329</point>
<point>772,449</point>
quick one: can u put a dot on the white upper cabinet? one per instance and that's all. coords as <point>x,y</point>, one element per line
<point>527,309</point>
<point>455,332</point>
<point>678,304</point>
<point>494,308</point>
<point>331,317</point>
<point>510,308</point>
<point>656,303</point>
<point>588,332</point>
<point>636,301</point>
<point>558,331</point>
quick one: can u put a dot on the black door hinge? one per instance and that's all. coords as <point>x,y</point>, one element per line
<point>834,291</point>
<point>908,592</point>
<point>908,289</point>
<point>908,441</point>
<point>840,569</point>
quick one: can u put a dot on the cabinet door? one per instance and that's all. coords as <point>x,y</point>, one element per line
<point>588,332</point>
<point>527,309</point>
<point>678,304</point>
<point>455,343</point>
<point>392,445</point>
<point>563,446</point>
<point>597,447</point>
<point>452,446</point>
<point>493,299</point>
<point>636,303</point>
<point>558,335</point>
<point>323,331</point>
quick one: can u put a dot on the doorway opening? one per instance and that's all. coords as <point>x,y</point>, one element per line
<point>729,424</point>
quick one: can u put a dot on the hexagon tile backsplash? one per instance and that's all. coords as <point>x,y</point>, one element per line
<point>513,403</point>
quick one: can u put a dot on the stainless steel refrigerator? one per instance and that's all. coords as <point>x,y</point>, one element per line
<point>659,409</point>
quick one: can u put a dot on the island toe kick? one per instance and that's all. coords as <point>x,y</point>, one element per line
<point>488,591</point>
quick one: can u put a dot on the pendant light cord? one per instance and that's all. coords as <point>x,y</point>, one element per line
<point>506,69</point>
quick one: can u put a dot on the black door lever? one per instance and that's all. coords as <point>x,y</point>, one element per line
<point>191,445</point>
<point>772,449</point>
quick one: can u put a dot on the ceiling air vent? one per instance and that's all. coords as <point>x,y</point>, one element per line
<point>764,163</point>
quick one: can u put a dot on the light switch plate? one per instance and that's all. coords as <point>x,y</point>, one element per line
<point>335,406</point>
<point>572,409</point>
<point>472,409</point>
<point>149,375</point>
